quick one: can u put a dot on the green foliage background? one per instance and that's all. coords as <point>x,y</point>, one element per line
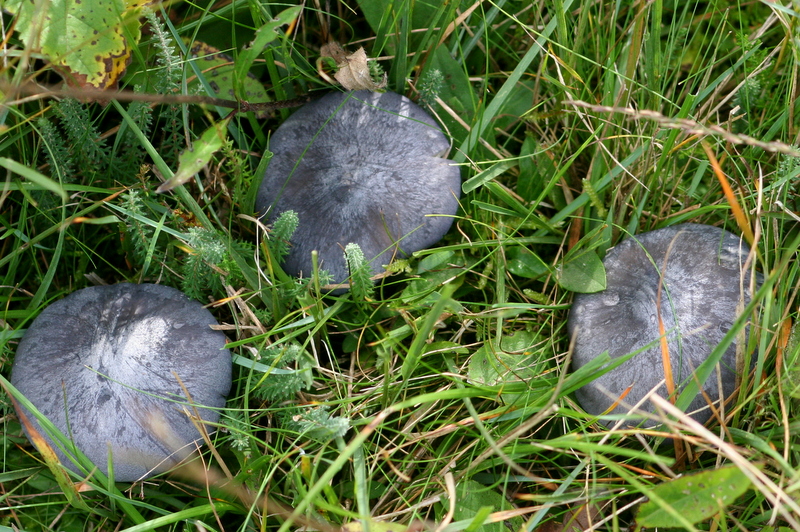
<point>449,380</point>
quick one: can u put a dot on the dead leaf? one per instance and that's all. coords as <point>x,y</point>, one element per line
<point>335,51</point>
<point>352,70</point>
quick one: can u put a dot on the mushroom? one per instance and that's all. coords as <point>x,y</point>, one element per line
<point>689,276</point>
<point>107,365</point>
<point>360,167</point>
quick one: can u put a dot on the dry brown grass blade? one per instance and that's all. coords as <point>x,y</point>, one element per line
<point>192,469</point>
<point>786,506</point>
<point>690,127</point>
<point>738,213</point>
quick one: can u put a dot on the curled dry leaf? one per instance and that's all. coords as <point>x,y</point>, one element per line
<point>352,70</point>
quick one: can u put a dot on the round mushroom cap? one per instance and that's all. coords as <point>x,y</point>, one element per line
<point>703,287</point>
<point>106,366</point>
<point>360,167</point>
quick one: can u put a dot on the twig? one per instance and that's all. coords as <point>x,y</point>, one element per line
<point>35,91</point>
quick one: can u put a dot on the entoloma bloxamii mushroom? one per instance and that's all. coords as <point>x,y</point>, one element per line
<point>697,274</point>
<point>107,362</point>
<point>364,168</point>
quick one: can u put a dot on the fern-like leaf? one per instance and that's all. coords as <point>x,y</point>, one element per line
<point>282,231</point>
<point>361,286</point>
<point>56,151</point>
<point>291,373</point>
<point>87,148</point>
<point>200,267</point>
<point>316,423</point>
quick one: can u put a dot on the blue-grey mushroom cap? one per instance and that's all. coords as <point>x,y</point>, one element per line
<point>360,167</point>
<point>703,288</point>
<point>104,365</point>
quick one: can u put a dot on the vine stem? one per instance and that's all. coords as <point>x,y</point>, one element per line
<point>34,91</point>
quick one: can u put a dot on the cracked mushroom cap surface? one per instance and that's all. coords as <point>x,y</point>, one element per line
<point>703,286</point>
<point>106,364</point>
<point>360,167</point>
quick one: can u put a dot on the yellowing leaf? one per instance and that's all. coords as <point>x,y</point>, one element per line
<point>195,158</point>
<point>88,42</point>
<point>71,490</point>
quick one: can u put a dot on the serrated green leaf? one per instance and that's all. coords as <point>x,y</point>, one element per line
<point>584,274</point>
<point>88,41</point>
<point>197,156</point>
<point>696,497</point>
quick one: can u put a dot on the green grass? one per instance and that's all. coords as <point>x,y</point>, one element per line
<point>565,117</point>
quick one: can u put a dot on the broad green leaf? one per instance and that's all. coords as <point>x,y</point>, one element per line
<point>584,273</point>
<point>264,35</point>
<point>487,175</point>
<point>455,91</point>
<point>696,497</point>
<point>435,261</point>
<point>523,263</point>
<point>89,42</point>
<point>513,362</point>
<point>535,169</point>
<point>475,502</point>
<point>219,70</point>
<point>376,11</point>
<point>197,156</point>
<point>439,268</point>
<point>520,101</point>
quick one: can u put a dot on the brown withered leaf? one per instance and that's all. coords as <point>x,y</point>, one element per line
<point>352,70</point>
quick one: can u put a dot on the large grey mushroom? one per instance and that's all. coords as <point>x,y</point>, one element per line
<point>105,365</point>
<point>690,276</point>
<point>364,168</point>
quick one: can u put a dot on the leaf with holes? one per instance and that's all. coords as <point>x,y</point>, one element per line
<point>88,42</point>
<point>696,497</point>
